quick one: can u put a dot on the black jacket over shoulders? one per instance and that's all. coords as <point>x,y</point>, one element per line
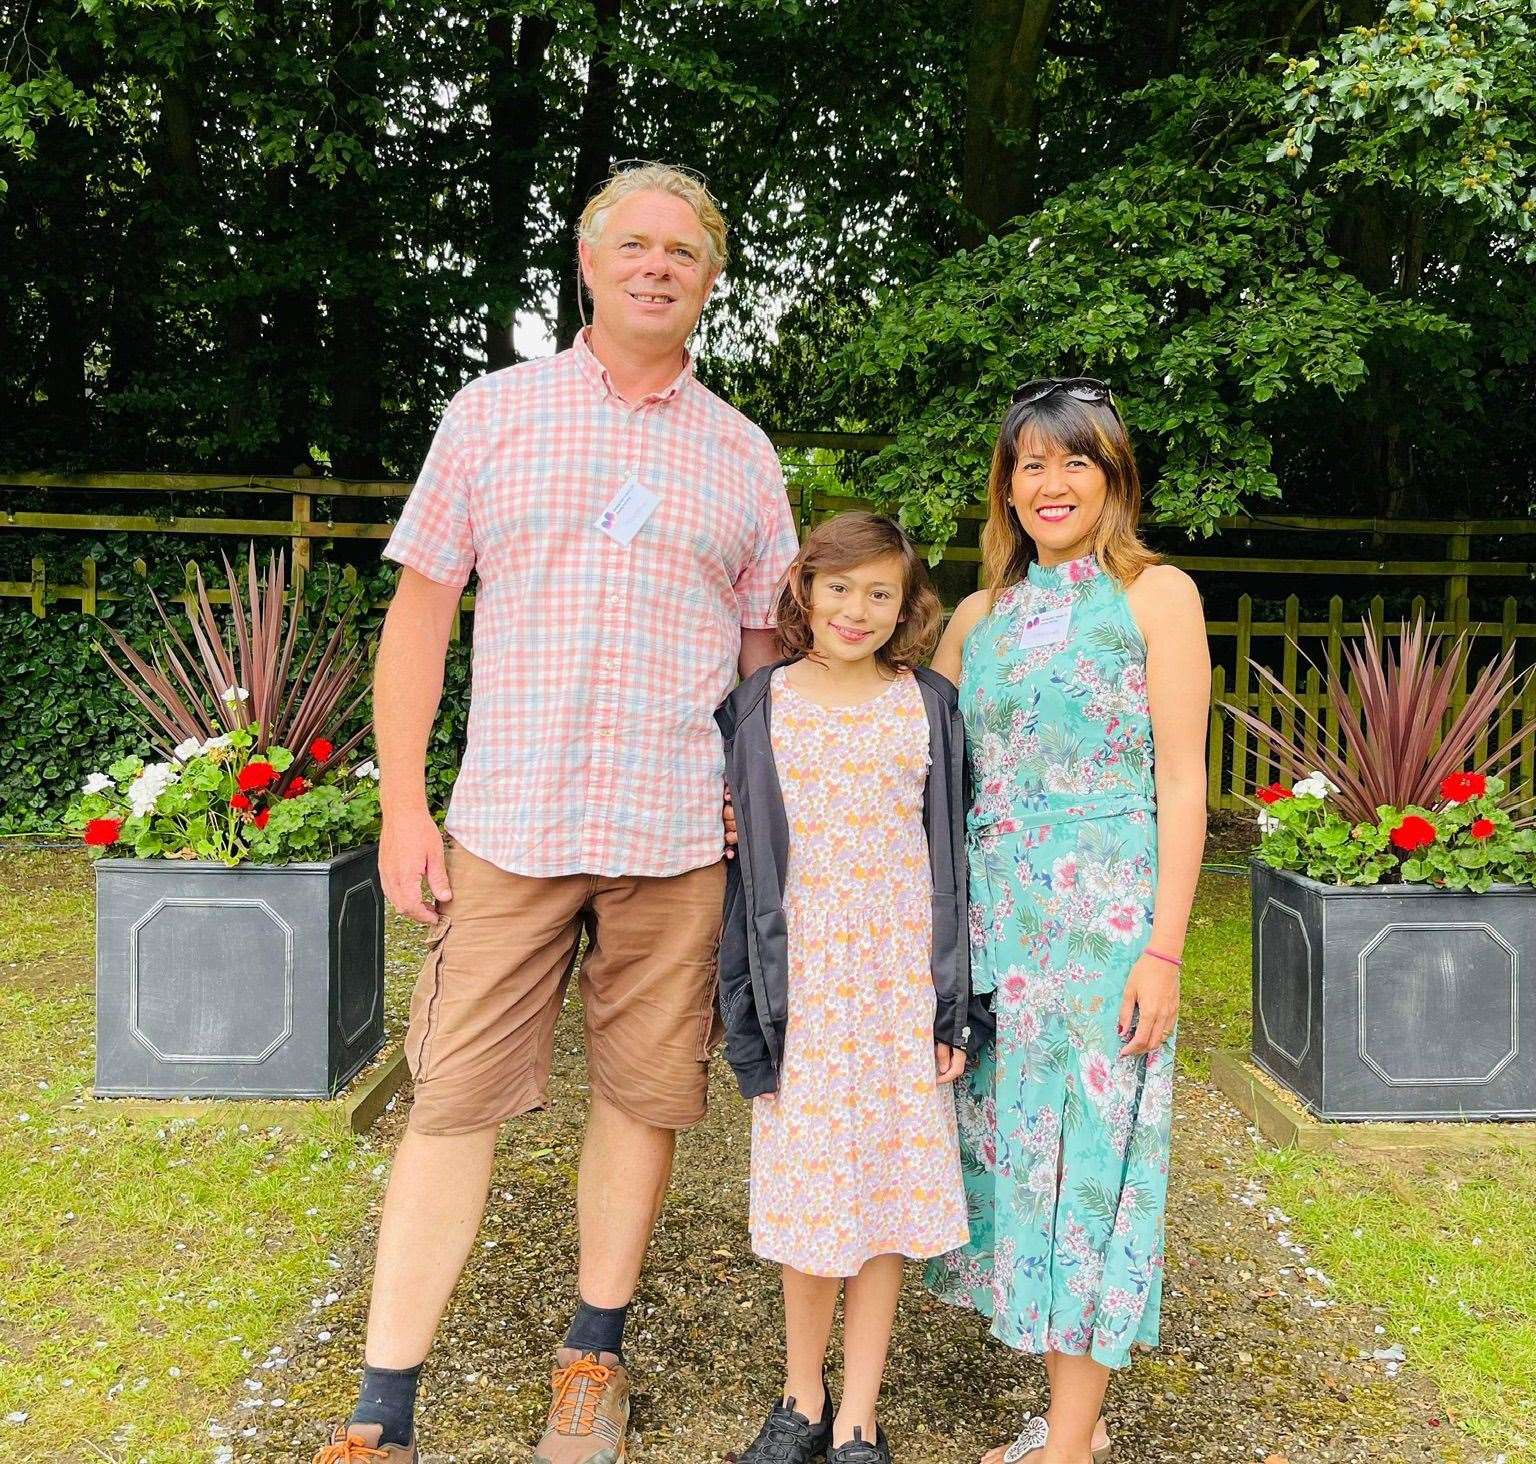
<point>754,944</point>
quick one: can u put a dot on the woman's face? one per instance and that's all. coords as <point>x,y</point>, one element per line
<point>1059,498</point>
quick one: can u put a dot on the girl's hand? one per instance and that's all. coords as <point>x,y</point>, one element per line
<point>950,1061</point>
<point>1152,1002</point>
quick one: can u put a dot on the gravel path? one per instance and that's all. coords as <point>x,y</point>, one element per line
<point>1256,1362</point>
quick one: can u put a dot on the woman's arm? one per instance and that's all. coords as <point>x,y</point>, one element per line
<point>1167,609</point>
<point>946,660</point>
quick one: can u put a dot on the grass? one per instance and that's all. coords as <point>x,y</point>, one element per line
<point>1443,1242</point>
<point>150,1261</point>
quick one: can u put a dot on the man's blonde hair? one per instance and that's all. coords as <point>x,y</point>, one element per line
<point>656,178</point>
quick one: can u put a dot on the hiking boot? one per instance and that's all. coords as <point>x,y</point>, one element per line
<point>788,1437</point>
<point>859,1450</point>
<point>358,1443</point>
<point>589,1418</point>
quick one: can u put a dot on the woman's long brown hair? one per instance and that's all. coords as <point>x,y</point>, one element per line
<point>1093,430</point>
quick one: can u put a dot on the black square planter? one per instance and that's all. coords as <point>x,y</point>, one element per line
<point>1395,1001</point>
<point>265,980</point>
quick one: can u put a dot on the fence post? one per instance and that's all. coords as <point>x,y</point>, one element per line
<point>1507,642</point>
<point>1213,741</point>
<point>303,509</point>
<point>189,599</point>
<point>1244,642</point>
<point>87,586</point>
<point>1458,549</point>
<point>1335,663</point>
<point>39,587</point>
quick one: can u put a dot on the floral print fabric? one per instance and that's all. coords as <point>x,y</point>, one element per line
<point>1064,1143</point>
<point>856,1154</point>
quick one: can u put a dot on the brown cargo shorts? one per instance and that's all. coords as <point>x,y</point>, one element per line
<point>481,1038</point>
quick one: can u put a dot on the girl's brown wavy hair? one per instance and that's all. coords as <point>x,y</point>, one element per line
<point>1095,431</point>
<point>844,543</point>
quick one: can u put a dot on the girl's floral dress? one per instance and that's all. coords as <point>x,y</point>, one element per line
<point>856,1154</point>
<point>1062,837</point>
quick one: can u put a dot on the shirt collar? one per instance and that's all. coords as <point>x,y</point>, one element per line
<point>596,374</point>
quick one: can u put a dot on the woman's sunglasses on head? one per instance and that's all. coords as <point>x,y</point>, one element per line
<point>1081,388</point>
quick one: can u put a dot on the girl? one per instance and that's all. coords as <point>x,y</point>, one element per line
<point>844,963</point>
<point>1084,682</point>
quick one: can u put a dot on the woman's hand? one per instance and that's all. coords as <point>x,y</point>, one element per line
<point>1152,1002</point>
<point>949,1061</point>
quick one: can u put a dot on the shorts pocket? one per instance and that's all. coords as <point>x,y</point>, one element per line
<point>425,997</point>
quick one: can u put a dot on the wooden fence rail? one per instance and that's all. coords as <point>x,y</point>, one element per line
<point>1295,649</point>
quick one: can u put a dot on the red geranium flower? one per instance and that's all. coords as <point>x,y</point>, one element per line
<point>103,831</point>
<point>1461,786</point>
<point>1413,833</point>
<point>261,818</point>
<point>320,749</point>
<point>1273,794</point>
<point>256,775</point>
<point>1482,828</point>
<point>241,802</point>
<point>299,785</point>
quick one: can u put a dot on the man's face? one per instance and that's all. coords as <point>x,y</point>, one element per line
<point>649,273</point>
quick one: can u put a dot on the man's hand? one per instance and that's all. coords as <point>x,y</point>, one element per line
<point>729,815</point>
<point>949,1061</point>
<point>410,849</point>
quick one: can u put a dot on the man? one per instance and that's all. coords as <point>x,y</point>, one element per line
<point>628,529</point>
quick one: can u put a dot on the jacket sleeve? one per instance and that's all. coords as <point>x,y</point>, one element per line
<point>746,1049</point>
<point>980,1020</point>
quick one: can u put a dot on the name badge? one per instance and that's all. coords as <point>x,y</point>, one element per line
<point>1048,628</point>
<point>626,515</point>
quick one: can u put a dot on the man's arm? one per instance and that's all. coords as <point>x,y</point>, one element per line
<point>759,648</point>
<point>407,686</point>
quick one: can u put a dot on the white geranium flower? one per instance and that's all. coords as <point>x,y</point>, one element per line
<point>365,769</point>
<point>186,750</point>
<point>1267,822</point>
<point>213,743</point>
<point>233,694</point>
<point>145,790</point>
<point>1315,785</point>
<point>96,783</point>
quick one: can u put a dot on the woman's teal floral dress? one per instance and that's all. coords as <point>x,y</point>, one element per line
<point>1062,834</point>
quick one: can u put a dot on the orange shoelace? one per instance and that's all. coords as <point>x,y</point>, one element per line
<point>579,1388</point>
<point>345,1448</point>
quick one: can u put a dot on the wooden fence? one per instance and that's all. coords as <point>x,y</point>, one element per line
<point>1294,647</point>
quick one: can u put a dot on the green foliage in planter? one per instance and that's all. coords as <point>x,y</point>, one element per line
<point>1471,844</point>
<point>228,800</point>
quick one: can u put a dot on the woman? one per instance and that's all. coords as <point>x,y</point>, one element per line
<point>1084,681</point>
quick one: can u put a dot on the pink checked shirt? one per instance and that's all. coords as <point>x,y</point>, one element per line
<point>597,666</point>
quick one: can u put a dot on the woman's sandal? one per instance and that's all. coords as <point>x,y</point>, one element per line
<point>1034,1435</point>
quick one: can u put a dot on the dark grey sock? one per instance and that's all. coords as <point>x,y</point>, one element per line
<point>388,1398</point>
<point>598,1329</point>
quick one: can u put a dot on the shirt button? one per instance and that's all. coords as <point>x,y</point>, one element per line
<point>613,599</point>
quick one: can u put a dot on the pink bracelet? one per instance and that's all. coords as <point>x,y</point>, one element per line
<point>1172,960</point>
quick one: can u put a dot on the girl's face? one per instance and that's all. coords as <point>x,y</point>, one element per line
<point>856,611</point>
<point>1059,498</point>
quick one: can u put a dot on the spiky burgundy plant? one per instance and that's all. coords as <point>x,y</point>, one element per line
<point>185,693</point>
<point>1405,738</point>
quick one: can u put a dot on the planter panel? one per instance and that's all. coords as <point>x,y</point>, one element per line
<point>1415,999</point>
<point>262,980</point>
